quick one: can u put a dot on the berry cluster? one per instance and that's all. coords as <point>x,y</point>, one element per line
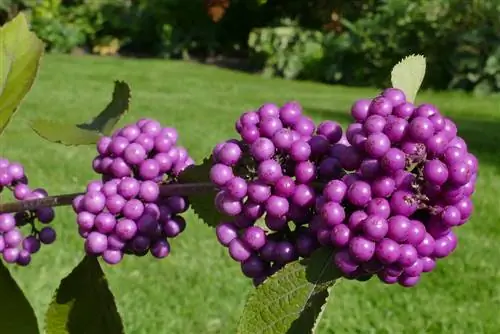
<point>126,213</point>
<point>409,183</point>
<point>14,245</point>
<point>385,194</point>
<point>271,173</point>
<point>144,150</point>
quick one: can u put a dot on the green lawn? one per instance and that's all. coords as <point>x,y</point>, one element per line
<point>198,289</point>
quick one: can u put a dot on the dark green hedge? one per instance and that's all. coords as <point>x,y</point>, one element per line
<point>461,39</point>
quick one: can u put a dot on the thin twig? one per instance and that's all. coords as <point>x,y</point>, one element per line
<point>181,189</point>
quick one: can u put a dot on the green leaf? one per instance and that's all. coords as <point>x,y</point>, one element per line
<point>291,300</point>
<point>20,54</point>
<point>16,313</point>
<point>83,303</point>
<point>5,66</point>
<point>114,111</point>
<point>321,312</point>
<point>203,203</point>
<point>64,133</point>
<point>408,75</point>
<point>90,132</point>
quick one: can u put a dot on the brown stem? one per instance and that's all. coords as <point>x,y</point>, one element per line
<point>181,189</point>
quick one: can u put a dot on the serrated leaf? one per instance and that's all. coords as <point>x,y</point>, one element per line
<point>408,75</point>
<point>16,313</point>
<point>317,321</point>
<point>114,111</point>
<point>83,303</point>
<point>22,50</point>
<point>203,204</point>
<point>87,133</point>
<point>64,133</point>
<point>291,300</point>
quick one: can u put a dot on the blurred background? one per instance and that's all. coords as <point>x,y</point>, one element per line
<point>332,41</point>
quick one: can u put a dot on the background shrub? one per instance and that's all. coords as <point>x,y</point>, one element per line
<point>458,37</point>
<point>352,43</point>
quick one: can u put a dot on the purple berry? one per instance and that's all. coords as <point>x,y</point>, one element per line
<point>229,154</point>
<point>126,229</point>
<point>254,237</point>
<point>226,232</point>
<point>300,151</point>
<point>262,149</point>
<point>340,235</point>
<point>381,105</point>
<point>399,228</point>
<point>377,145</point>
<point>221,174</point>
<point>31,244</point>
<point>435,172</point>
<point>284,187</point>
<point>238,250</point>
<point>403,203</point>
<point>7,222</point>
<point>160,249</point>
<point>359,193</point>
<point>345,262</point>
<point>361,248</point>
<point>94,202</point>
<point>375,227</point>
<point>285,252</point>
<point>174,226</point>
<point>149,169</point>
<point>359,110</point>
<point>335,191</point>
<point>388,251</point>
<point>420,129</point>
<point>277,206</point>
<point>416,233</point>
<point>332,213</point>
<point>269,171</point>
<point>96,243</point>
<point>408,255</point>
<point>253,267</point>
<point>47,235</point>
<point>111,256</point>
<point>393,160</point>
<point>395,96</point>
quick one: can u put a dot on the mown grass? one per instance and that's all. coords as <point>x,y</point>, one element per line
<point>198,289</point>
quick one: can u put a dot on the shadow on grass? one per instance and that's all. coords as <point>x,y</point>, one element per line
<point>482,137</point>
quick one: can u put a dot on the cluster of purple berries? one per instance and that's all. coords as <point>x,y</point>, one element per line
<point>385,194</point>
<point>126,213</point>
<point>409,184</point>
<point>15,246</point>
<point>144,150</point>
<point>270,174</point>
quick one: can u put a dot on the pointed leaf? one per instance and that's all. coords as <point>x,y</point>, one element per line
<point>321,312</point>
<point>83,303</point>
<point>114,111</point>
<point>64,133</point>
<point>23,50</point>
<point>16,313</point>
<point>203,204</point>
<point>88,133</point>
<point>408,75</point>
<point>292,299</point>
